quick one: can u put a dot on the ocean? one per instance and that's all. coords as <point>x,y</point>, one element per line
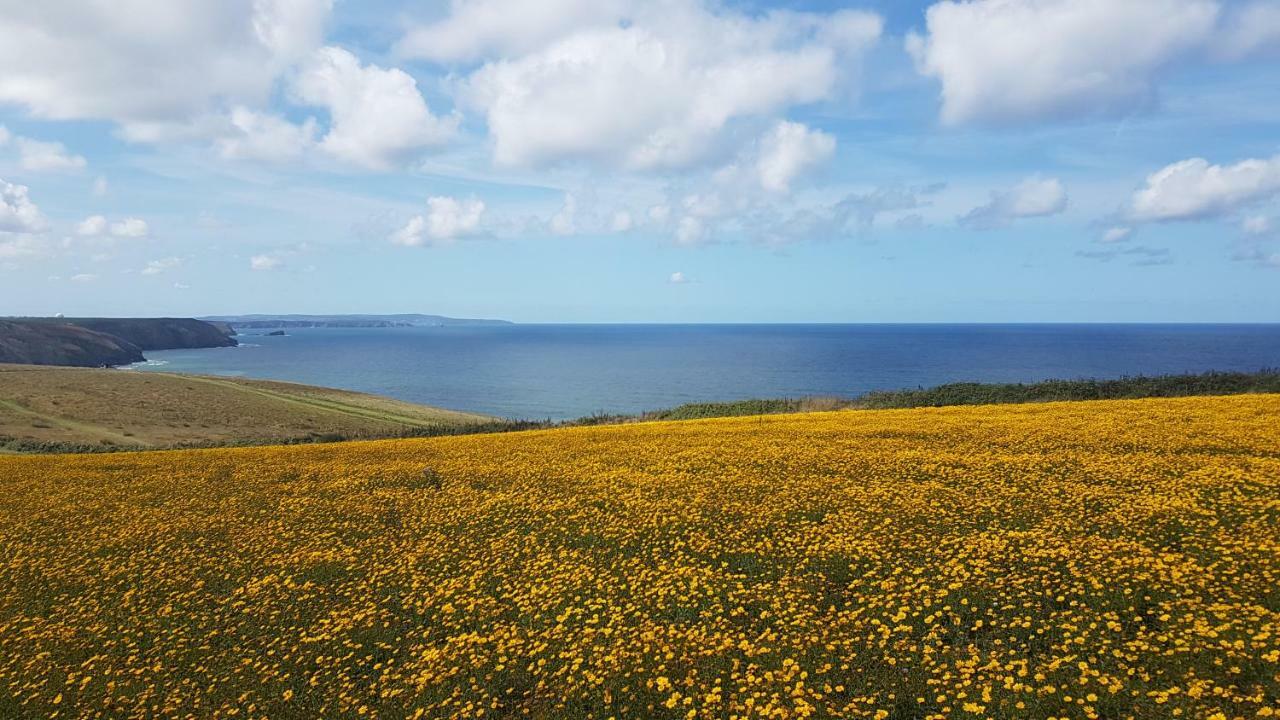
<point>567,371</point>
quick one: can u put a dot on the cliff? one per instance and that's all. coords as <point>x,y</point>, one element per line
<point>159,333</point>
<point>50,344</point>
<point>98,342</point>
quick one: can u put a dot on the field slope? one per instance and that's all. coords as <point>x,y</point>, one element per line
<point>53,408</point>
<point>1115,559</point>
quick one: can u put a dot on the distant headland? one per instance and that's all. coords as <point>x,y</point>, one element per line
<point>103,342</point>
<point>347,321</point>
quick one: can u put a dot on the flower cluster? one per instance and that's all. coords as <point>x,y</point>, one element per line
<point>1083,560</point>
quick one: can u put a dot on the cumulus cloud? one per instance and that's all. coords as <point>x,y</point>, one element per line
<point>622,221</point>
<point>1035,196</point>
<point>378,117</point>
<point>659,90</point>
<point>92,226</point>
<point>262,136</point>
<point>788,151</point>
<point>447,219</point>
<point>129,228</point>
<point>156,267</point>
<point>265,263</point>
<point>152,66</point>
<point>565,221</point>
<point>97,225</point>
<point>1018,60</point>
<point>14,246</point>
<point>17,213</point>
<point>678,278</point>
<point>1194,189</point>
<point>38,156</point>
<point>478,28</point>
<point>691,230</point>
<point>41,156</point>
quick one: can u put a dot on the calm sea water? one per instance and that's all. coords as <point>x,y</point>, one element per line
<point>567,371</point>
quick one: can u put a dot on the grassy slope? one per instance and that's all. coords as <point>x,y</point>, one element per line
<point>69,407</point>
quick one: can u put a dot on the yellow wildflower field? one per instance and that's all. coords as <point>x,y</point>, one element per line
<point>1075,560</point>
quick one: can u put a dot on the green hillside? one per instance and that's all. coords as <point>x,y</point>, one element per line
<point>58,409</point>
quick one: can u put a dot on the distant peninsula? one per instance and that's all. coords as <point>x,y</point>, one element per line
<point>102,342</point>
<point>243,322</point>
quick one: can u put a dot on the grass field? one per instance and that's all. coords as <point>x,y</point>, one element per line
<point>52,408</point>
<point>1115,559</point>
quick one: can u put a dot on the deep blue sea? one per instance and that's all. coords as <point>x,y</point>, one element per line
<point>568,371</point>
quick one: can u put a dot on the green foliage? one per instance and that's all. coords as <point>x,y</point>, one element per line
<point>695,411</point>
<point>1128,388</point>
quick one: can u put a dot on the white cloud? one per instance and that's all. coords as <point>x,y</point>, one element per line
<point>5,136</point>
<point>789,150</point>
<point>1249,29</point>
<point>678,278</point>
<point>129,228</point>
<point>622,222</point>
<point>100,187</point>
<point>84,277</point>
<point>38,156</point>
<point>264,263</point>
<point>1116,235</point>
<point>1035,196</point>
<point>564,222</point>
<point>14,246</point>
<point>477,28</point>
<point>1194,189</point>
<point>1256,225</point>
<point>261,136</point>
<point>659,90</point>
<point>447,219</point>
<point>1016,60</point>
<point>153,66</point>
<point>17,213</point>
<point>691,230</point>
<point>181,286</point>
<point>156,267</point>
<point>92,226</point>
<point>377,117</point>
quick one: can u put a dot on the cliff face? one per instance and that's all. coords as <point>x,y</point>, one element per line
<point>50,344</point>
<point>98,342</point>
<point>159,333</point>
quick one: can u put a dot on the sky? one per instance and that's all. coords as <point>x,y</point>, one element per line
<point>643,160</point>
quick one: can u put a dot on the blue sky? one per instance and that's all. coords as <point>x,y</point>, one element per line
<point>659,161</point>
